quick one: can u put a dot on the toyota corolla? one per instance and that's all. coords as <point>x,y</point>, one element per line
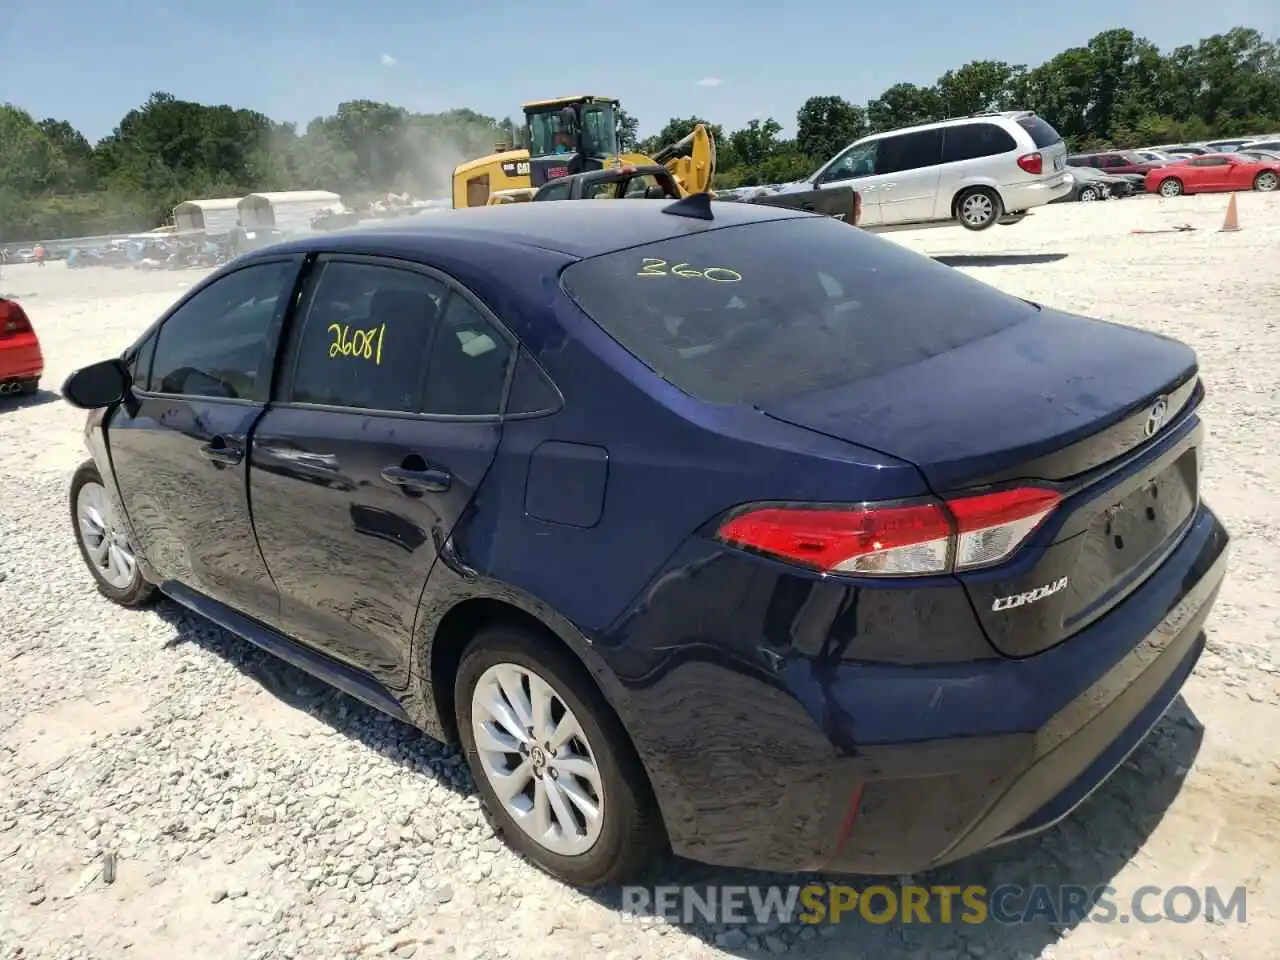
<point>709,527</point>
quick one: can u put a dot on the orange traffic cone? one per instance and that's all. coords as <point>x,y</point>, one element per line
<point>1231,222</point>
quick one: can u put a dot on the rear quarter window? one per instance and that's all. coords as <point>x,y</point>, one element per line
<point>971,141</point>
<point>1042,134</point>
<point>777,308</point>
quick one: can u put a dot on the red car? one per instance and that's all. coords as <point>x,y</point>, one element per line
<point>21,362</point>
<point>1213,173</point>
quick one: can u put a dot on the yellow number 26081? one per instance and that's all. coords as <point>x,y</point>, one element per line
<point>361,344</point>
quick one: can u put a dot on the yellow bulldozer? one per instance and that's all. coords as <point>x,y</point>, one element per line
<point>574,135</point>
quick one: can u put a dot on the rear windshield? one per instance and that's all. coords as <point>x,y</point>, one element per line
<point>755,312</point>
<point>1041,133</point>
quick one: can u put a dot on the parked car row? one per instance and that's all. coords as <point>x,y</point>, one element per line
<point>1172,175</point>
<point>1269,141</point>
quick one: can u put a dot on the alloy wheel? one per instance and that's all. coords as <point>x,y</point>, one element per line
<point>977,209</point>
<point>104,541</point>
<point>535,755</point>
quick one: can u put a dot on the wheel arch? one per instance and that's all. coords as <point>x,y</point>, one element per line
<point>445,630</point>
<point>981,183</point>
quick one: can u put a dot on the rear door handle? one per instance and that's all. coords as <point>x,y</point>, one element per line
<point>219,451</point>
<point>430,480</point>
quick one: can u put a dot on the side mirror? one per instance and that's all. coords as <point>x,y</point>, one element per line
<point>98,385</point>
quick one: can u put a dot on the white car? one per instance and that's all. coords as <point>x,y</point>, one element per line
<point>1268,143</point>
<point>976,171</point>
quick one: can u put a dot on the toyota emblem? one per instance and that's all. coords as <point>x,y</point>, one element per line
<point>1155,418</point>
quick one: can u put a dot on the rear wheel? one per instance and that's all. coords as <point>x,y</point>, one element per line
<point>103,542</point>
<point>1171,187</point>
<point>979,208</point>
<point>552,764</point>
<point>1266,181</point>
<point>1089,194</point>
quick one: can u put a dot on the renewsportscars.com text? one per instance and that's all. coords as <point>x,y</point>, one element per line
<point>880,904</point>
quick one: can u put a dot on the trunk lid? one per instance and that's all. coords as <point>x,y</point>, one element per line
<point>1098,409</point>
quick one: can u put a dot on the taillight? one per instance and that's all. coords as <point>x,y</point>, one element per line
<point>13,319</point>
<point>897,539</point>
<point>1032,163</point>
<point>877,541</point>
<point>991,526</point>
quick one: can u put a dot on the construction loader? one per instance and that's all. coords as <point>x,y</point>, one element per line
<point>573,135</point>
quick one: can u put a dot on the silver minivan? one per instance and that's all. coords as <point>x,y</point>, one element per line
<point>976,171</point>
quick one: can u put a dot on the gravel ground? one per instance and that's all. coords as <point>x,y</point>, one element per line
<point>241,810</point>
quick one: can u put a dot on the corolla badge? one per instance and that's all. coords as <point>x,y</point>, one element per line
<point>1155,417</point>
<point>1013,601</point>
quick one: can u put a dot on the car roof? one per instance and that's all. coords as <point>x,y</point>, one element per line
<point>1007,116</point>
<point>579,228</point>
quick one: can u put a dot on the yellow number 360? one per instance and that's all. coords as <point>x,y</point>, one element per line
<point>362,344</point>
<point>653,267</point>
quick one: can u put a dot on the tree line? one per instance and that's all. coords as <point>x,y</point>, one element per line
<point>1119,91</point>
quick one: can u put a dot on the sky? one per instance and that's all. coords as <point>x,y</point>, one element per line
<point>91,62</point>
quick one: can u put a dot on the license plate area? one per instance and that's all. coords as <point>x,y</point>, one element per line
<point>1128,539</point>
<point>1141,522</point>
<point>1058,162</point>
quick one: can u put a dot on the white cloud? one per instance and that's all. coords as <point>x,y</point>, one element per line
<point>388,60</point>
<point>710,82</point>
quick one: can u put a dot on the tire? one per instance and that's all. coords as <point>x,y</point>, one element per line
<point>1088,195</point>
<point>119,582</point>
<point>979,208</point>
<point>1266,181</point>
<point>1170,187</point>
<point>629,832</point>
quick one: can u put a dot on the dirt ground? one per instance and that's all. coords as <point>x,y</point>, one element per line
<point>252,813</point>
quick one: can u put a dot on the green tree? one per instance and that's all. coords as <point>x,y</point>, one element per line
<point>627,126</point>
<point>826,125</point>
<point>902,105</point>
<point>974,88</point>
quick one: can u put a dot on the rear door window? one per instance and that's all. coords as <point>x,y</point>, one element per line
<point>365,339</point>
<point>909,151</point>
<point>776,308</point>
<point>970,141</point>
<point>1042,134</point>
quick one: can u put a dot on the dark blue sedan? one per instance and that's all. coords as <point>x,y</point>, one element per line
<point>716,528</point>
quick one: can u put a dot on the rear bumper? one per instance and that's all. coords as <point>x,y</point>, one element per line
<point>1022,196</point>
<point>20,358</point>
<point>897,769</point>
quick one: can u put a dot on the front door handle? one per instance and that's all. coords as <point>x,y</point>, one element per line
<point>429,480</point>
<point>220,452</point>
